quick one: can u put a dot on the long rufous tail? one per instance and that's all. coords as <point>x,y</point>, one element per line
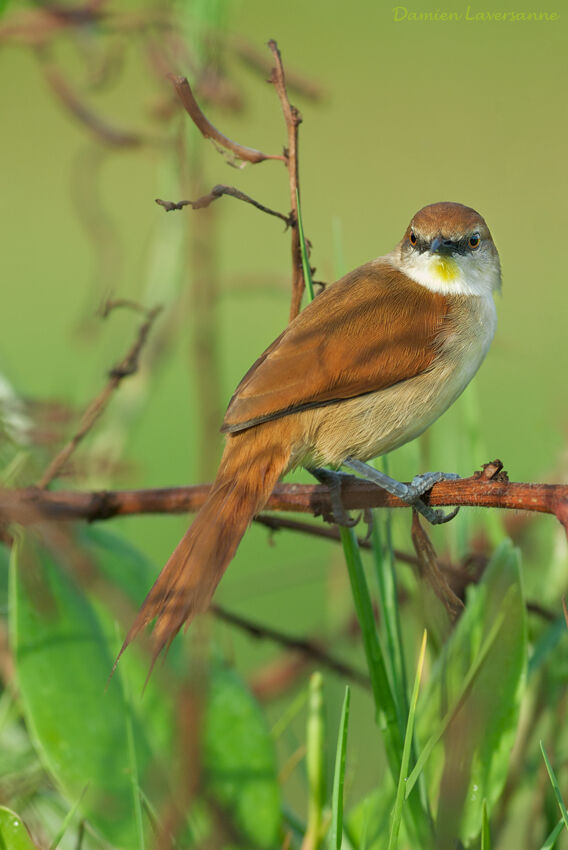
<point>252,463</point>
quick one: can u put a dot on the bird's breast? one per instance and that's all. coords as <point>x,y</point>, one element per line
<point>373,424</point>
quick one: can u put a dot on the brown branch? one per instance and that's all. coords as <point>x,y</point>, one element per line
<point>310,648</point>
<point>26,505</point>
<point>293,120</point>
<point>127,366</point>
<point>207,129</point>
<point>429,569</point>
<point>257,61</point>
<point>218,192</point>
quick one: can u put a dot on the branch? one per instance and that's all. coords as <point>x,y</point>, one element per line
<point>309,648</point>
<point>127,366</point>
<point>218,192</point>
<point>293,120</point>
<point>207,129</point>
<point>257,62</point>
<point>489,489</point>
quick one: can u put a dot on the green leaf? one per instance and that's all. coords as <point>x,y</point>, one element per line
<point>555,787</point>
<point>554,835</point>
<point>368,823</point>
<point>239,759</point>
<point>485,833</point>
<point>77,720</point>
<point>400,791</point>
<point>336,833</point>
<point>13,833</point>
<point>476,687</point>
<point>128,569</point>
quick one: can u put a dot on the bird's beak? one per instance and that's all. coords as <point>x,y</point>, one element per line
<point>445,247</point>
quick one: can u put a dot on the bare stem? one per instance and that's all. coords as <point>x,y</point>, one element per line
<point>293,120</point>
<point>127,366</point>
<point>218,192</point>
<point>207,129</point>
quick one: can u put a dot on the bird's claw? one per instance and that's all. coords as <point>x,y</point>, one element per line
<point>419,485</point>
<point>333,481</point>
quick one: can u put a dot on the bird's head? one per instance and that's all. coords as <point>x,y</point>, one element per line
<point>448,248</point>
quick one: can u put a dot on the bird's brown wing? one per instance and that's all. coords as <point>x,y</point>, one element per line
<point>370,330</point>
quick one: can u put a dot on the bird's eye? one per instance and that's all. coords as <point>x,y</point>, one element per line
<point>474,241</point>
<point>412,237</point>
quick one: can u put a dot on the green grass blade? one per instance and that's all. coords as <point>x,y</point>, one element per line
<point>485,834</point>
<point>385,705</point>
<point>400,791</point>
<point>304,252</point>
<point>389,616</point>
<point>339,776</point>
<point>555,788</point>
<point>315,761</point>
<point>552,838</point>
<point>67,821</point>
<point>453,709</point>
<point>289,714</point>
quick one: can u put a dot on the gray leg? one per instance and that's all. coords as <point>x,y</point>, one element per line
<point>409,493</point>
<point>332,480</point>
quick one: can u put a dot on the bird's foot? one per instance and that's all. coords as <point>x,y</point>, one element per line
<point>410,493</point>
<point>419,485</point>
<point>333,481</point>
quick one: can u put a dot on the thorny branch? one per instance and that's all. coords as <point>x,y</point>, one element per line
<point>218,192</point>
<point>127,366</point>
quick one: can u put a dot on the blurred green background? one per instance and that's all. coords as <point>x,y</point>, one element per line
<point>411,113</point>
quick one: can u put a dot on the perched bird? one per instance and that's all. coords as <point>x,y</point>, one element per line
<point>366,367</point>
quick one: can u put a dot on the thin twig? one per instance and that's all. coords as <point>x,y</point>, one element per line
<point>127,366</point>
<point>218,192</point>
<point>293,120</point>
<point>306,647</point>
<point>327,532</point>
<point>257,61</point>
<point>207,129</point>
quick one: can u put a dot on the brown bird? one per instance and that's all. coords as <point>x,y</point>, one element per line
<point>366,367</point>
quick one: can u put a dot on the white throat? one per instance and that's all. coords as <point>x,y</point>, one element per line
<point>473,274</point>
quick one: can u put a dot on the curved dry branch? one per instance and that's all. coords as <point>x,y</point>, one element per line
<point>207,129</point>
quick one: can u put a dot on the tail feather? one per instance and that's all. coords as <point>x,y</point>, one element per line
<point>252,463</point>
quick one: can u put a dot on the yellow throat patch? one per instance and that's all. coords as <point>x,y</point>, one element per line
<point>446,268</point>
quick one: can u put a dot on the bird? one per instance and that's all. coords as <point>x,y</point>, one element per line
<point>366,367</point>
